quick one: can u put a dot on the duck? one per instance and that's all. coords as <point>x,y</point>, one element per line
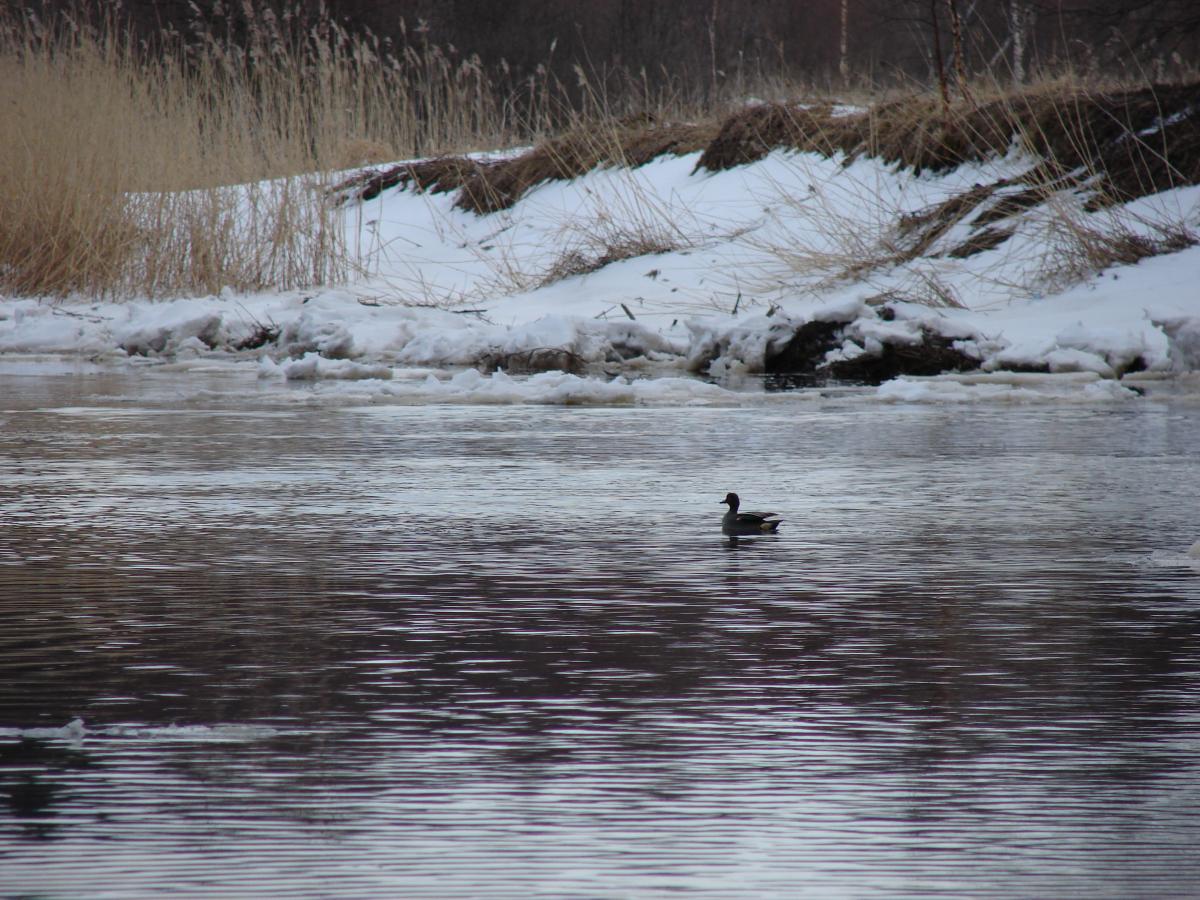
<point>734,522</point>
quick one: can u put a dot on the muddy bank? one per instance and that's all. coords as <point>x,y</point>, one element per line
<point>817,352</point>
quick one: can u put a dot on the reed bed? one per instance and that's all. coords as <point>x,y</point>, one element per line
<point>204,163</point>
<point>199,162</point>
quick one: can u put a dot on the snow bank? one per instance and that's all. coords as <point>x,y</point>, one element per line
<point>749,255</point>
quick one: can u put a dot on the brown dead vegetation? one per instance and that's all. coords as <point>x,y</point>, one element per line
<point>1110,145</point>
<point>629,143</point>
<point>981,240</point>
<point>438,175</point>
<point>751,134</point>
<point>581,261</point>
<point>1009,205</point>
<point>1134,141</point>
<point>491,186</point>
<point>918,231</point>
<point>1122,143</point>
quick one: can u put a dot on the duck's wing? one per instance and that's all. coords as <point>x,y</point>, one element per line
<point>747,523</point>
<point>755,517</point>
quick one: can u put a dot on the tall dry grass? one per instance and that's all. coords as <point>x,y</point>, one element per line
<point>1086,149</point>
<point>201,163</point>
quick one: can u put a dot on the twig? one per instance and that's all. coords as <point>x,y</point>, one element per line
<point>85,316</point>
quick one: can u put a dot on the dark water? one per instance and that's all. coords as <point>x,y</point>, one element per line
<point>327,651</point>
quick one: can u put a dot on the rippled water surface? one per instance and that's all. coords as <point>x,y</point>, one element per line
<point>262,648</point>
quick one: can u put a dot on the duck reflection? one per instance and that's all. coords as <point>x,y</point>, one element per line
<point>748,542</point>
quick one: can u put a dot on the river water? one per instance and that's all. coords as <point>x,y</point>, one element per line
<point>255,644</point>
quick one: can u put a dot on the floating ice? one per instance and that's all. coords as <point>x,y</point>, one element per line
<point>1017,387</point>
<point>76,731</point>
<point>561,388</point>
<point>1190,559</point>
<point>312,366</point>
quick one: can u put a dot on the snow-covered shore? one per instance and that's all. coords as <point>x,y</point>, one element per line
<point>748,255</point>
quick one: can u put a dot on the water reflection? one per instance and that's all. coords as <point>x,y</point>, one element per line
<point>955,669</point>
<point>31,775</point>
<point>748,542</point>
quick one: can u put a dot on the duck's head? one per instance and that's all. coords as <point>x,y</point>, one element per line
<point>732,500</point>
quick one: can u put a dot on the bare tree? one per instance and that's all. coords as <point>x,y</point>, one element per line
<point>938,63</point>
<point>699,45</point>
<point>844,42</point>
<point>960,56</point>
<point>1018,19</point>
<point>712,45</point>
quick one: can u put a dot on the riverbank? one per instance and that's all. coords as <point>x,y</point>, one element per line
<point>823,243</point>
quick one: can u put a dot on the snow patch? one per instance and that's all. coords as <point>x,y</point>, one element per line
<point>313,366</point>
<point>561,388</point>
<point>1017,387</point>
<point>310,334</point>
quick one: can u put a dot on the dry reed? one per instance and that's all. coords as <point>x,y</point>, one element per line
<point>1090,150</point>
<point>200,164</point>
<point>203,162</point>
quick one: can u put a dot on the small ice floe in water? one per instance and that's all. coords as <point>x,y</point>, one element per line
<point>734,522</point>
<point>75,731</point>
<point>1189,558</point>
<point>221,734</point>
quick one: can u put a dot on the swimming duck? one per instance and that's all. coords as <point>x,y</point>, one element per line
<point>734,522</point>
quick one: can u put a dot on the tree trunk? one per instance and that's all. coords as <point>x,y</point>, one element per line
<point>960,56</point>
<point>939,67</point>
<point>843,62</point>
<point>1017,16</point>
<point>712,47</point>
